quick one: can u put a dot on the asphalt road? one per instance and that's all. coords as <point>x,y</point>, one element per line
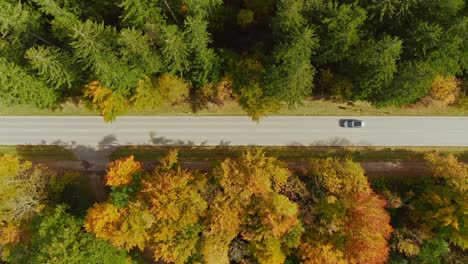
<point>320,131</point>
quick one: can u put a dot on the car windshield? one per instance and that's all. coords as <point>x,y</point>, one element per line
<point>357,123</point>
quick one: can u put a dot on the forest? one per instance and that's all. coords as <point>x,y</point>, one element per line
<point>250,209</point>
<point>116,55</point>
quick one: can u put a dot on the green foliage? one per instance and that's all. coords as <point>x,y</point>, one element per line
<point>412,83</point>
<point>247,74</point>
<point>442,206</point>
<point>381,51</point>
<point>137,50</point>
<point>340,31</point>
<point>95,45</point>
<point>18,22</point>
<point>424,38</point>
<point>289,17</point>
<point>174,50</point>
<point>17,86</point>
<point>291,78</point>
<point>206,63</point>
<point>389,9</point>
<point>146,96</point>
<point>245,17</point>
<point>432,250</point>
<point>53,67</point>
<point>145,15</point>
<point>59,238</point>
<point>376,62</point>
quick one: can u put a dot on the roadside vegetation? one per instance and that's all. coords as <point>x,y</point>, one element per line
<point>289,153</point>
<point>261,56</point>
<point>247,209</point>
<point>38,153</point>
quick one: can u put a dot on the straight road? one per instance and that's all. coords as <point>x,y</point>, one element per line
<point>211,131</point>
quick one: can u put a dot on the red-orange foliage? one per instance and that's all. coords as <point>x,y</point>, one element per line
<point>368,229</point>
<point>9,234</point>
<point>120,172</point>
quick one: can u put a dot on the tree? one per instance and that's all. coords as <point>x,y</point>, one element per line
<point>122,171</point>
<point>174,198</point>
<point>164,215</point>
<point>292,75</point>
<point>143,14</point>
<point>424,38</point>
<point>441,207</point>
<point>389,9</point>
<point>340,31</point>
<point>24,189</point>
<point>95,45</point>
<point>444,91</point>
<point>247,74</point>
<point>59,238</point>
<point>248,204</point>
<point>206,63</point>
<point>19,23</point>
<point>376,62</point>
<point>289,17</point>
<point>103,99</point>
<point>174,50</point>
<point>125,227</point>
<point>51,66</point>
<point>172,88</point>
<point>290,78</point>
<point>411,83</point>
<point>344,219</point>
<point>137,49</point>
<point>18,87</point>
<point>147,96</point>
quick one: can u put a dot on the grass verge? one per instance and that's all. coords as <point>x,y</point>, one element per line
<point>289,153</point>
<point>38,152</point>
<point>232,108</point>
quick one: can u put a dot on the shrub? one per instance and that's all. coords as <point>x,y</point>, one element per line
<point>444,91</point>
<point>216,93</point>
<point>172,88</point>
<point>245,18</point>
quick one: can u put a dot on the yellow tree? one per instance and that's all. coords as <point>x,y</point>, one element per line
<point>23,196</point>
<point>174,198</point>
<point>109,104</point>
<point>443,205</point>
<point>24,189</point>
<point>248,204</point>
<point>123,227</point>
<point>164,214</point>
<point>122,171</point>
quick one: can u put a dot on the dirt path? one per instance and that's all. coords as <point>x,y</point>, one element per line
<point>98,167</point>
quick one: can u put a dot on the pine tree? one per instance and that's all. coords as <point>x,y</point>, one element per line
<point>53,67</point>
<point>17,86</point>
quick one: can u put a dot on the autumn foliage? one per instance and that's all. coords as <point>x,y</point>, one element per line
<point>442,206</point>
<point>108,103</point>
<point>121,171</point>
<point>346,220</point>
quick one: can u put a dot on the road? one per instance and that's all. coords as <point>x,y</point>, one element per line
<point>209,131</point>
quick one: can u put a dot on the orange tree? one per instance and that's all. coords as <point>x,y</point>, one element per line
<point>345,220</point>
<point>160,210</point>
<point>249,211</point>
